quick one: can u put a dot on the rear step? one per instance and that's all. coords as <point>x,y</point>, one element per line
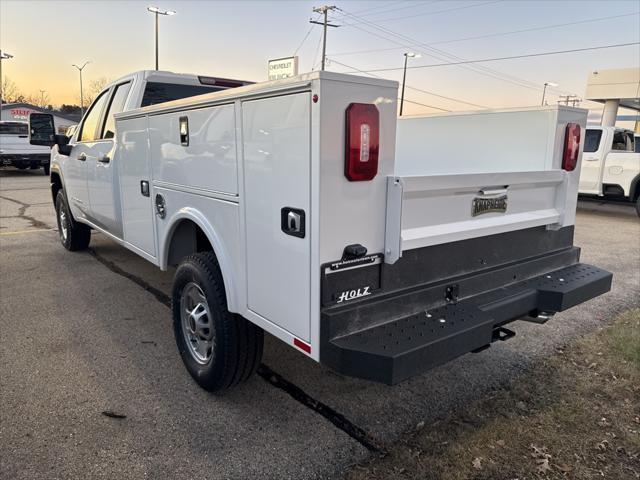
<point>394,351</point>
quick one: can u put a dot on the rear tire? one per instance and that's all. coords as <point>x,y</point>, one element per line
<point>220,349</point>
<point>74,236</point>
<point>638,206</point>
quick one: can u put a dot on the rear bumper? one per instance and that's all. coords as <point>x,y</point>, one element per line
<point>24,160</point>
<point>393,336</point>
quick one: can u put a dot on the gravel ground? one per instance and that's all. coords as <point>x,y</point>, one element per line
<point>80,335</point>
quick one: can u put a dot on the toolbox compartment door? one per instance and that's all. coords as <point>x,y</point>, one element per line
<point>276,155</point>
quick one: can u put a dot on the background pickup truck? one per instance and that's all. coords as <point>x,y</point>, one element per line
<point>611,165</point>
<point>303,207</point>
<point>16,151</point>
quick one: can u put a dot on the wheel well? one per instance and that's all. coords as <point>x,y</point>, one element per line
<point>56,185</point>
<point>187,238</point>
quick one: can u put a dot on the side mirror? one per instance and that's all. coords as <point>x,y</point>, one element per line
<point>42,130</point>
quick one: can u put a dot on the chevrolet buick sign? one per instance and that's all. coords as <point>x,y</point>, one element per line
<point>283,68</point>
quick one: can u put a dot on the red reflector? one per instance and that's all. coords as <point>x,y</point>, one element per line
<point>302,346</point>
<point>362,139</point>
<point>571,147</point>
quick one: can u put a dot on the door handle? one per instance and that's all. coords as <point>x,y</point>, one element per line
<point>292,221</point>
<point>104,159</point>
<point>82,157</point>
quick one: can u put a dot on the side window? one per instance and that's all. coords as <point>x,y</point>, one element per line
<point>116,106</point>
<point>621,142</point>
<point>592,140</point>
<point>90,124</point>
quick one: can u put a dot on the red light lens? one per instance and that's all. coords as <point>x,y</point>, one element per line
<point>571,147</point>
<point>362,140</point>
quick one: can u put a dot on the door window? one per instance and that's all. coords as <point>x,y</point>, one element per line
<point>622,142</point>
<point>116,106</point>
<point>90,124</point>
<point>592,140</point>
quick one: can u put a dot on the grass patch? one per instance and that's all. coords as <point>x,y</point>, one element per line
<point>574,416</point>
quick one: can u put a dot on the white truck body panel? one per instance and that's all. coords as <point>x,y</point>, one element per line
<point>430,196</point>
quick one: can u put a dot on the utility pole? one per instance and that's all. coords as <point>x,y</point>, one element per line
<point>569,98</point>
<point>325,11</point>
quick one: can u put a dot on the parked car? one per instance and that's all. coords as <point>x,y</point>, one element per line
<point>611,165</point>
<point>16,151</point>
<point>291,207</point>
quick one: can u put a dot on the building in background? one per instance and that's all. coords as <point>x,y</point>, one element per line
<point>19,112</point>
<point>618,88</point>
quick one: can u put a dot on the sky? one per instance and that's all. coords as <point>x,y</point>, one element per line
<point>236,39</point>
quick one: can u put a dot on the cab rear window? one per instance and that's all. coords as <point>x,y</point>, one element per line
<point>156,92</point>
<point>14,129</point>
<point>592,140</point>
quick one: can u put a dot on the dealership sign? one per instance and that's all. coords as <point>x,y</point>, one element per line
<point>280,68</point>
<point>20,113</point>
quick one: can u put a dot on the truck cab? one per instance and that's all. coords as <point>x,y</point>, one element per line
<point>611,165</point>
<point>86,161</point>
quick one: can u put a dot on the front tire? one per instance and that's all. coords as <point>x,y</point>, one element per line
<point>74,236</point>
<point>220,349</point>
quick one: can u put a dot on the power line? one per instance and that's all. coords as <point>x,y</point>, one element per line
<point>410,101</point>
<point>463,7</point>
<point>441,53</point>
<point>457,100</point>
<point>539,54</point>
<point>304,39</point>
<point>477,37</point>
<point>417,5</point>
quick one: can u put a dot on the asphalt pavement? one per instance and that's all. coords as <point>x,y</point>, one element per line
<point>87,333</point>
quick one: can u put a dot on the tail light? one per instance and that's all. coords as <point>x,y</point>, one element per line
<point>362,140</point>
<point>571,147</point>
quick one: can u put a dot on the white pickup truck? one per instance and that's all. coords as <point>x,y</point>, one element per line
<point>303,207</point>
<point>16,151</point>
<point>611,165</point>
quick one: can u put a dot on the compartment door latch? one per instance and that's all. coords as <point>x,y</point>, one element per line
<point>292,221</point>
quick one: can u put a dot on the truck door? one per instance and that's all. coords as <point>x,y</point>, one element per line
<point>595,148</point>
<point>75,166</point>
<point>102,178</point>
<point>277,142</point>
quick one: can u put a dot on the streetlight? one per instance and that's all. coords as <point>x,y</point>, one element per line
<point>3,56</point>
<point>157,12</point>
<point>404,75</point>
<point>81,94</point>
<point>42,92</point>
<point>544,90</point>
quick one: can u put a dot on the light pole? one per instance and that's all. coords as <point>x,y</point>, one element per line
<point>3,56</point>
<point>404,75</point>
<point>42,98</point>
<point>157,12</point>
<point>544,90</point>
<point>81,94</point>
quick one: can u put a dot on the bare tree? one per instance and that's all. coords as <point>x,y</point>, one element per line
<point>95,87</point>
<point>10,91</point>
<point>38,99</point>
